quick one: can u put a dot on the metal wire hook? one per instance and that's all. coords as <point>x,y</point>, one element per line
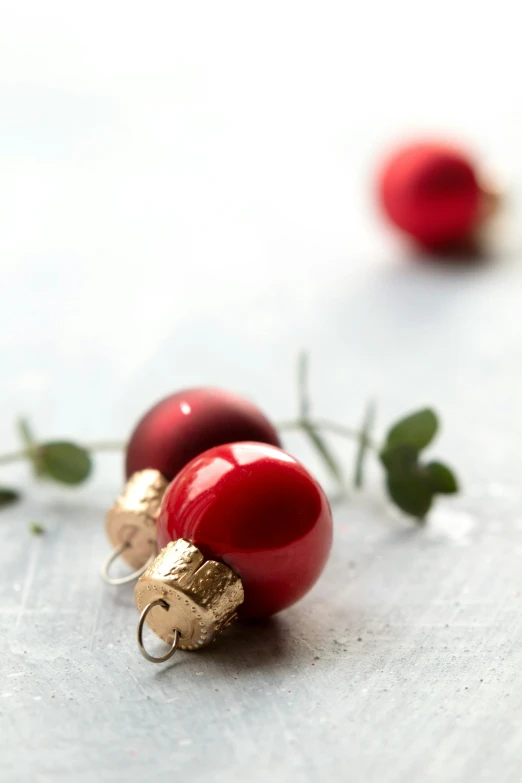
<point>173,647</point>
<point>122,580</point>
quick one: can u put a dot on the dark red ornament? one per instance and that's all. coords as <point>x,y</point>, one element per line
<point>189,422</point>
<point>260,512</point>
<point>169,436</point>
<point>432,192</point>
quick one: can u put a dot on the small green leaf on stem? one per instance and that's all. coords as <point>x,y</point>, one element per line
<point>412,493</point>
<point>328,458</point>
<point>399,460</point>
<point>302,383</point>
<point>364,443</point>
<point>442,478</point>
<point>417,430</point>
<point>8,496</point>
<point>36,529</point>
<point>65,462</point>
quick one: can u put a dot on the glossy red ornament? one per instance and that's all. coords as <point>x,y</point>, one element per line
<point>189,422</point>
<point>257,510</point>
<point>431,191</point>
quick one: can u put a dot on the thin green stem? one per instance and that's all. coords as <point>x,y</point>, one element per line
<point>101,445</point>
<point>106,445</point>
<point>15,456</point>
<point>327,426</point>
<point>364,444</point>
<point>338,429</point>
<point>288,426</point>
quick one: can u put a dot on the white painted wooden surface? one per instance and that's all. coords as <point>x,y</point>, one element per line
<point>185,199</point>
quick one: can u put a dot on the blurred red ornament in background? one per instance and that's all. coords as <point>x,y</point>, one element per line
<point>433,192</point>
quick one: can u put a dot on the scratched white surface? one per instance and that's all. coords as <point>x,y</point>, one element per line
<point>185,199</point>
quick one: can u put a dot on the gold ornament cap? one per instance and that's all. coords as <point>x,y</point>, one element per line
<point>131,522</point>
<point>186,600</point>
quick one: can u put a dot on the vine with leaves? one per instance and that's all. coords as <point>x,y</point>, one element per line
<point>411,482</point>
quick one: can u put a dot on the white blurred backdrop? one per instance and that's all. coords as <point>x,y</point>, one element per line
<point>186,198</point>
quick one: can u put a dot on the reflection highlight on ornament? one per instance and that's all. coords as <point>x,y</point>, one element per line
<point>250,453</point>
<point>207,474</point>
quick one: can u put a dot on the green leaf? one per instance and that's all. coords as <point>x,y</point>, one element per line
<point>327,456</point>
<point>36,529</point>
<point>65,462</point>
<point>302,383</point>
<point>417,430</point>
<point>399,460</point>
<point>364,442</point>
<point>442,479</point>
<point>413,494</point>
<point>8,496</point>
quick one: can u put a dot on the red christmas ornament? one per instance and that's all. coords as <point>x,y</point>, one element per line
<point>245,529</point>
<point>433,193</point>
<point>188,423</point>
<point>169,436</point>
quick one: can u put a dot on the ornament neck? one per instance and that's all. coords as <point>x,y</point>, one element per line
<point>131,524</point>
<point>186,600</point>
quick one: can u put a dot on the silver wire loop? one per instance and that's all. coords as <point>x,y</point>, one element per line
<point>173,646</point>
<point>122,580</point>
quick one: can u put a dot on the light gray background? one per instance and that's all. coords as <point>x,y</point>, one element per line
<point>185,198</point>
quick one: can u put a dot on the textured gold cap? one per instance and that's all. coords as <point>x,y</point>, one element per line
<point>132,519</point>
<point>202,595</point>
<point>491,199</point>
